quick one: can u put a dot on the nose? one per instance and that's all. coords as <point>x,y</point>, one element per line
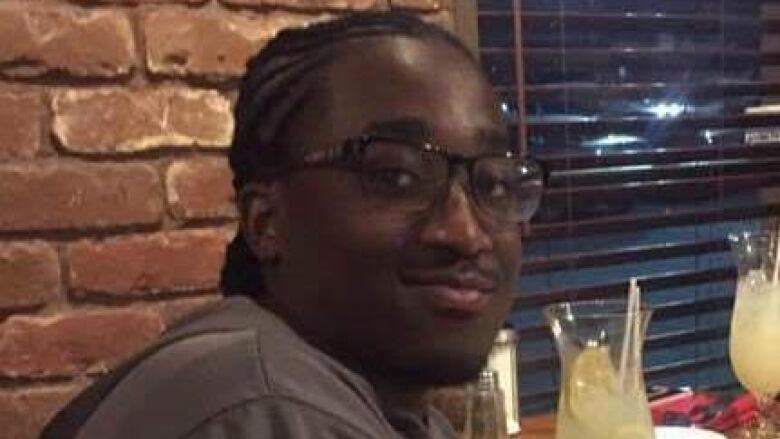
<point>454,225</point>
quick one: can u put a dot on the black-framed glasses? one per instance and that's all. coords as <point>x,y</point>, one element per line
<point>411,175</point>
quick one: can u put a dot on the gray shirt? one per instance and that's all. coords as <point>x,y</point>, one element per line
<point>238,371</point>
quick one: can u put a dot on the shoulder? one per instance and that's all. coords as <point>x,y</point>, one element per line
<point>439,425</point>
<point>177,385</point>
<point>235,358</point>
<point>280,417</point>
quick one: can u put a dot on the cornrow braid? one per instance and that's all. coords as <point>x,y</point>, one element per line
<point>277,82</point>
<point>277,79</point>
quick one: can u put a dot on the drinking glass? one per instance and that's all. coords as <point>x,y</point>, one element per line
<point>602,392</point>
<point>754,341</point>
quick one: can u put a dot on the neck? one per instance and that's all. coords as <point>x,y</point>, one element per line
<point>393,394</point>
<point>400,396</point>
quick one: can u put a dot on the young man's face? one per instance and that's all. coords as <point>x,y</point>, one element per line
<point>413,294</point>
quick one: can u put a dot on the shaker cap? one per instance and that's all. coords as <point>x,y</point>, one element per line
<point>488,379</point>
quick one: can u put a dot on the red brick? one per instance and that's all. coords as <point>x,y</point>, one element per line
<point>142,2</point>
<point>312,4</point>
<point>20,125</point>
<point>58,196</point>
<point>122,121</point>
<point>200,188</point>
<point>211,44</point>
<point>177,261</point>
<point>36,40</point>
<point>30,274</point>
<point>24,413</point>
<point>74,343</point>
<point>173,311</point>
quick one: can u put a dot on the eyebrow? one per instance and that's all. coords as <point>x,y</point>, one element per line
<point>415,128</point>
<point>496,140</point>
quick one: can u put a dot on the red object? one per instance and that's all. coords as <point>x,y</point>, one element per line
<point>702,409</point>
<point>741,411</point>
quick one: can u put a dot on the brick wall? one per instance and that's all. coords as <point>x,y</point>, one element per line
<point>115,197</point>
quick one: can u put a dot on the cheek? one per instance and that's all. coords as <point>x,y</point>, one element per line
<point>508,250</point>
<point>344,231</point>
<point>378,241</point>
<point>350,260</point>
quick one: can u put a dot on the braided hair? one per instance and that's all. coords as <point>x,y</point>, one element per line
<point>277,82</point>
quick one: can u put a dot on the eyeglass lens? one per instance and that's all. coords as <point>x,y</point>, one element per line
<point>505,189</point>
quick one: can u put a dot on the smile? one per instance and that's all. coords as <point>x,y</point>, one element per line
<point>462,294</point>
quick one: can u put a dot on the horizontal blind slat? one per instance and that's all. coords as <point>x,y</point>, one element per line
<point>673,217</point>
<point>692,189</point>
<point>604,290</point>
<point>573,261</point>
<point>589,90</point>
<point>579,158</point>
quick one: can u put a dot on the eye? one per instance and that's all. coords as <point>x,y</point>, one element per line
<point>392,180</point>
<point>493,187</point>
<point>497,189</point>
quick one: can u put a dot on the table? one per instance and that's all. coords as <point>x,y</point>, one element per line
<point>543,427</point>
<point>538,427</point>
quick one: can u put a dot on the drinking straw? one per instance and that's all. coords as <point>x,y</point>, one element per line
<point>776,271</point>
<point>637,321</point>
<point>630,328</point>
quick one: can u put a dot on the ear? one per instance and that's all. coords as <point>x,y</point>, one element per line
<point>258,203</point>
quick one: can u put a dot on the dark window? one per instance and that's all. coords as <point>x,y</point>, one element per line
<point>660,122</point>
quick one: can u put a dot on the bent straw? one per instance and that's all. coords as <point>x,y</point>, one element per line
<point>633,292</point>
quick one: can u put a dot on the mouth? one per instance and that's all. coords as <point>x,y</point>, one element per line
<point>463,294</point>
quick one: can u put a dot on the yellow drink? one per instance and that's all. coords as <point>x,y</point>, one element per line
<point>754,343</point>
<point>593,405</point>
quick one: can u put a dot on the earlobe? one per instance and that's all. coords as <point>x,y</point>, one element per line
<point>257,203</point>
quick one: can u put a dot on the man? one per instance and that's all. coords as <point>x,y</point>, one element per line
<point>377,254</point>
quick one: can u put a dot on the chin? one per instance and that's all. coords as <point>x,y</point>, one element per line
<point>438,371</point>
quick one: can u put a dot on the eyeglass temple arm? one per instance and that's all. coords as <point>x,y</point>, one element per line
<point>545,168</point>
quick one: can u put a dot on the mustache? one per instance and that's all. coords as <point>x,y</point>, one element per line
<point>437,266</point>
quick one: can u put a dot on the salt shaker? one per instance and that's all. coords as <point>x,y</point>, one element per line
<point>485,418</point>
<point>503,359</point>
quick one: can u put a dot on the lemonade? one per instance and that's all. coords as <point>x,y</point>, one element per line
<point>593,405</point>
<point>755,334</point>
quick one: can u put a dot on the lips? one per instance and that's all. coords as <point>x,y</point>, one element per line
<point>463,293</point>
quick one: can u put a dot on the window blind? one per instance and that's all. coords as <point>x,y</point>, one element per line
<point>660,123</point>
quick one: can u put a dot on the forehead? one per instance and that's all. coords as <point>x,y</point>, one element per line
<point>381,79</point>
